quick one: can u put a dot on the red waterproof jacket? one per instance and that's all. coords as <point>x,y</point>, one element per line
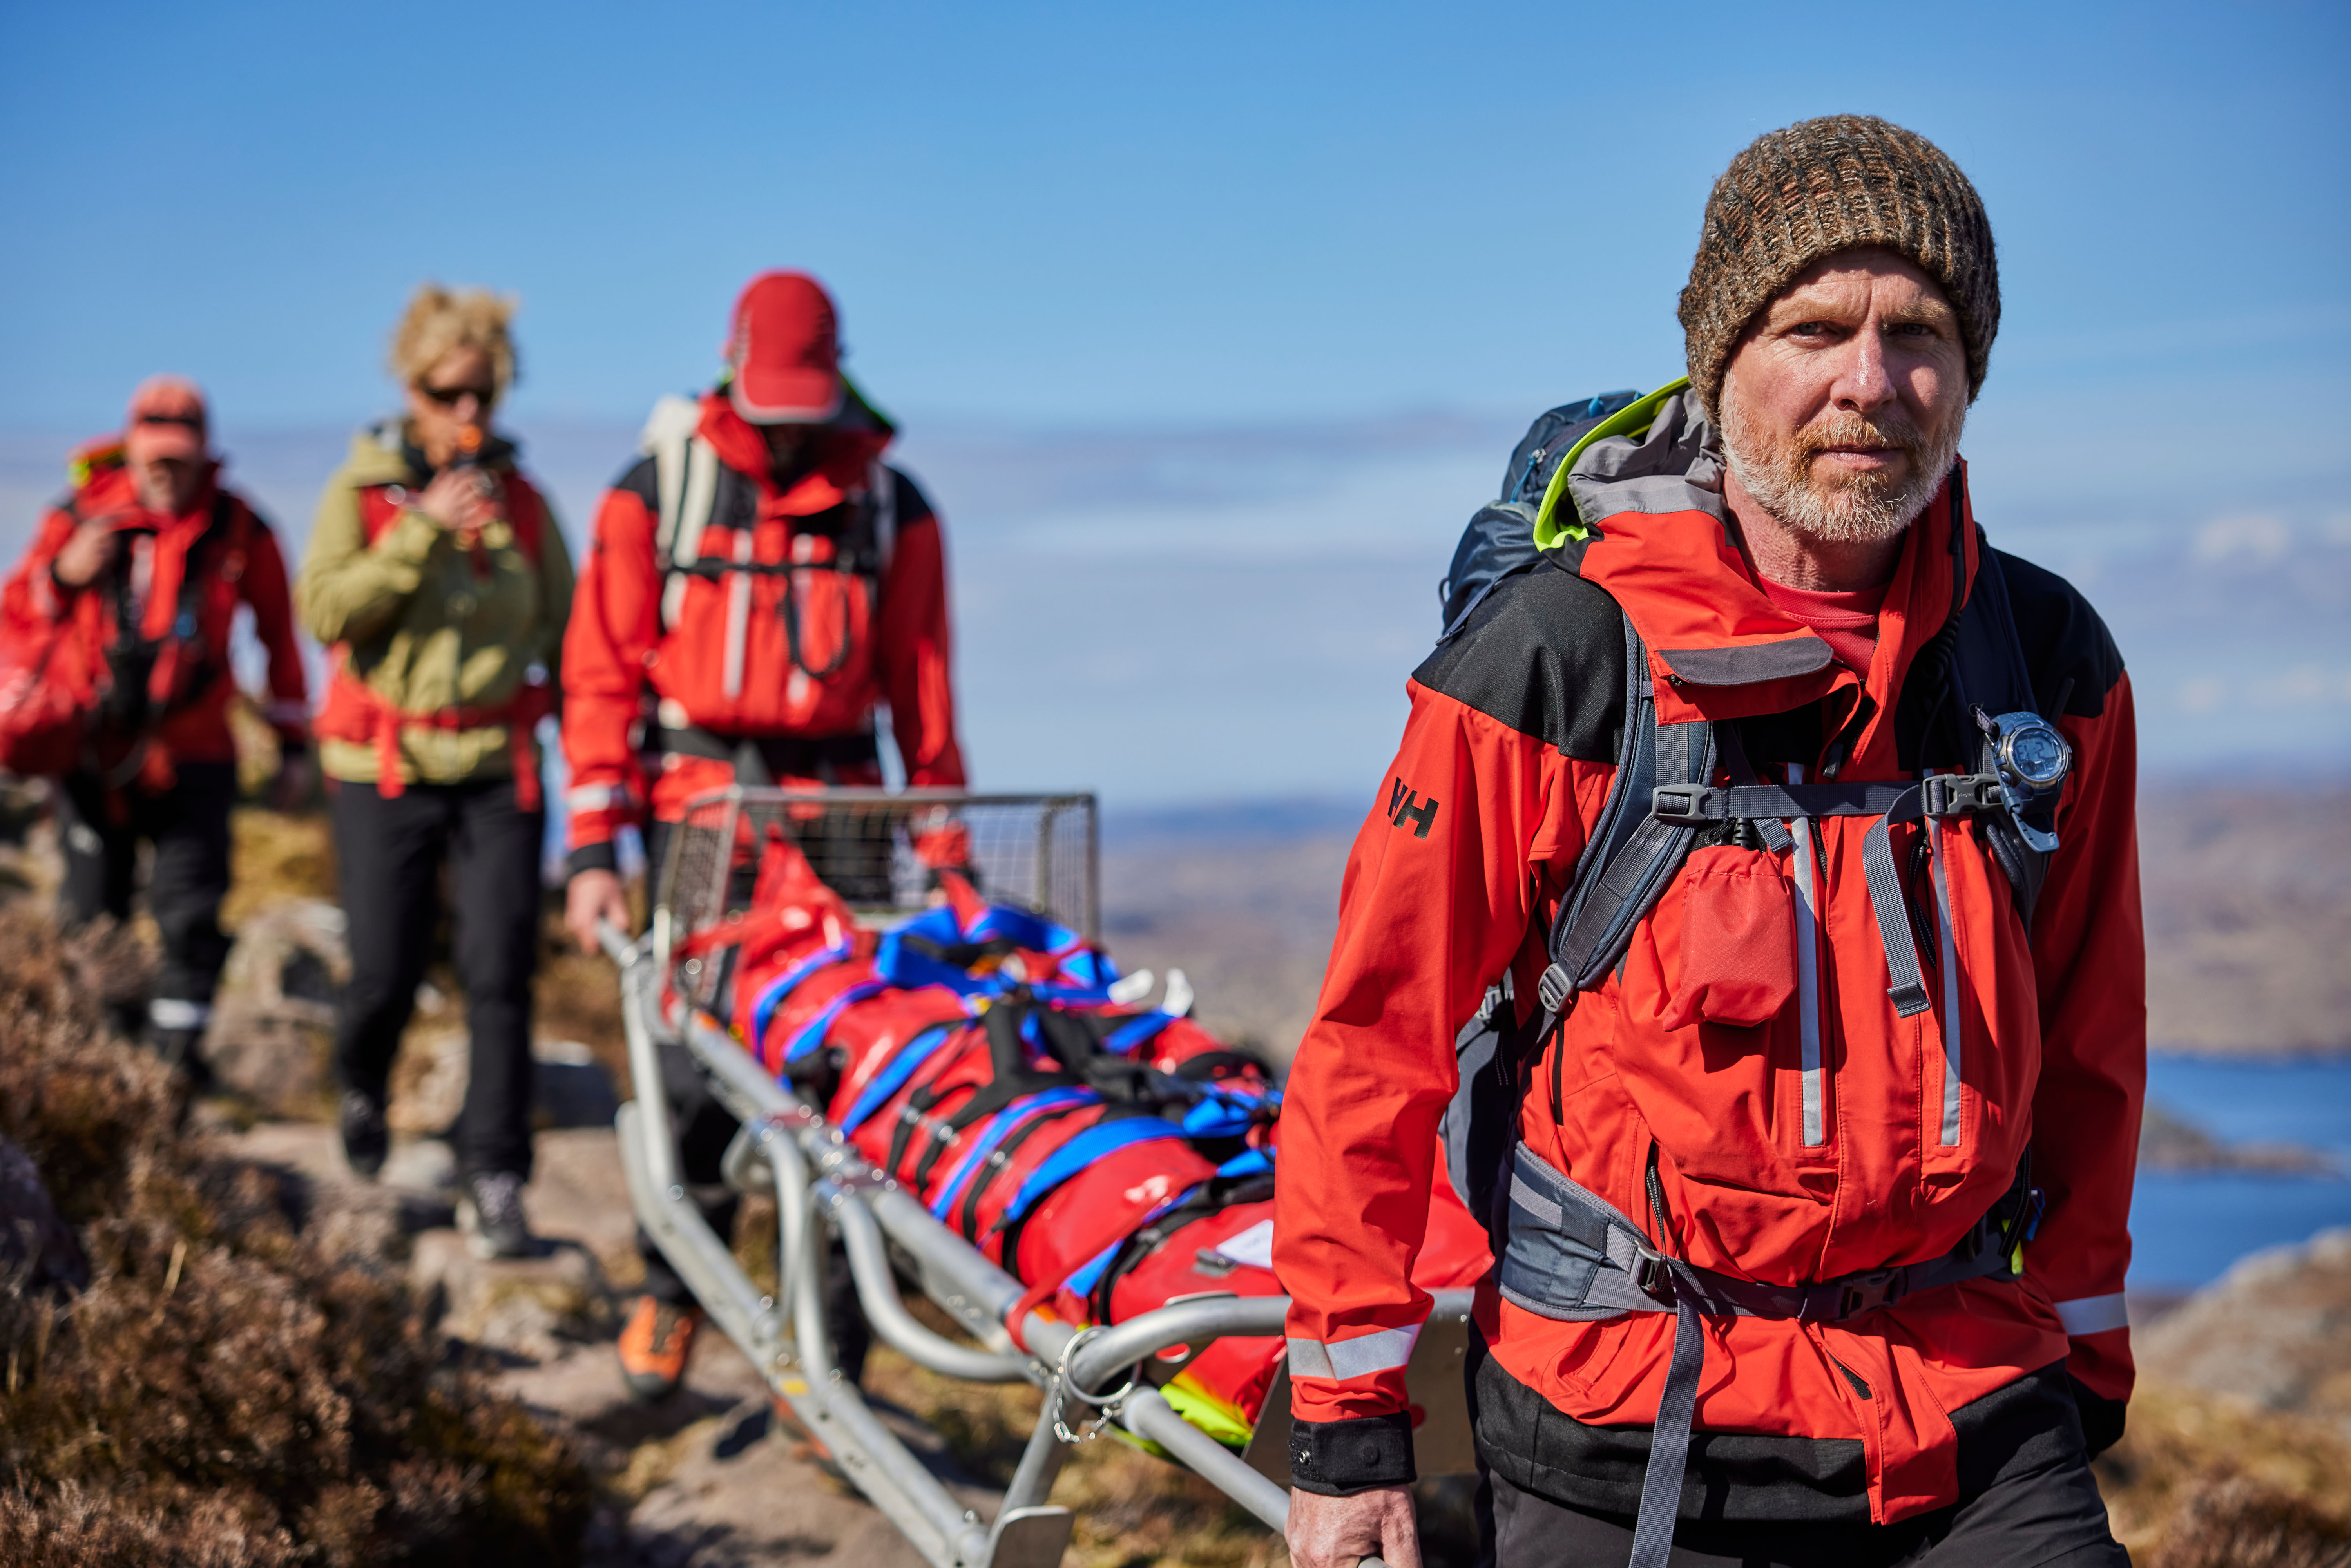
<point>799,656</point>
<point>1506,761</point>
<point>247,568</point>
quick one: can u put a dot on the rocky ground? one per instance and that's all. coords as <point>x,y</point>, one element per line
<point>707,1479</point>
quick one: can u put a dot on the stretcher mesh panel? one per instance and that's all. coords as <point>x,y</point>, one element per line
<point>1035,851</point>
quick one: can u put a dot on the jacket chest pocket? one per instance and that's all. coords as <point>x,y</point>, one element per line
<point>761,642</point>
<point>488,597</point>
<point>1738,940</point>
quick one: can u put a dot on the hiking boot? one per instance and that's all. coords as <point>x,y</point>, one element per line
<point>366,1140</point>
<point>654,1348</point>
<point>489,1211</point>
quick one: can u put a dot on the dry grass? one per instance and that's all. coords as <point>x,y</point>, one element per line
<point>275,856</point>
<point>2200,1481</point>
<point>221,1394</point>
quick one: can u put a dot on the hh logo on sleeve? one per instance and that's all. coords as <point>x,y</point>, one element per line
<point>1406,806</point>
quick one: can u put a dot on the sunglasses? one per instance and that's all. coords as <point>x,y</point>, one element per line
<point>449,397</point>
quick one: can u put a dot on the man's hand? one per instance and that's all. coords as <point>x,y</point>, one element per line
<point>1340,1531</point>
<point>457,499</point>
<point>85,555</point>
<point>594,896</point>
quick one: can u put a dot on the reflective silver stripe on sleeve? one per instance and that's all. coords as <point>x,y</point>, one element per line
<point>1385,1351</point>
<point>2088,1315</point>
<point>589,797</point>
<point>1808,978</point>
<point>1953,1027</point>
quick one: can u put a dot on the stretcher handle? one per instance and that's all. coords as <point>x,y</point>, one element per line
<point>616,944</point>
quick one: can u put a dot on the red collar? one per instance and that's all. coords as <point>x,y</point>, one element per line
<point>845,454</point>
<point>1718,647</point>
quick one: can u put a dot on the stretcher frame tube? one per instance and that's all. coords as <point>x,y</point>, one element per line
<point>1185,1322</point>
<point>877,1292</point>
<point>1146,1414</point>
<point>819,1164</point>
<point>845,1423</point>
<point>933,1521</point>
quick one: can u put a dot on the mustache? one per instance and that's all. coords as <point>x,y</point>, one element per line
<point>1891,428</point>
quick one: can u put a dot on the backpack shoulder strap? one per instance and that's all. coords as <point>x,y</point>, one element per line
<point>882,499</point>
<point>685,473</point>
<point>1632,852</point>
<point>1989,674</point>
<point>529,520</point>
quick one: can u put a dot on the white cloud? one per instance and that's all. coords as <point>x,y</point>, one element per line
<point>2257,537</point>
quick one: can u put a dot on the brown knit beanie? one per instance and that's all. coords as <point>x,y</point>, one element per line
<point>1819,187</point>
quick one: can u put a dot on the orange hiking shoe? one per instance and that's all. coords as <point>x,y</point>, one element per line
<point>654,1345</point>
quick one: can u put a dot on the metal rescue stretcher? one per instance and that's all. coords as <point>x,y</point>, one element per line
<point>1041,852</point>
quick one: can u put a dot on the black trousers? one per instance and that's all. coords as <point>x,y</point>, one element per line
<point>390,852</point>
<point>2047,1514</point>
<point>188,825</point>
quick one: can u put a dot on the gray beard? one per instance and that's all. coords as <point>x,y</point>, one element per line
<point>1861,512</point>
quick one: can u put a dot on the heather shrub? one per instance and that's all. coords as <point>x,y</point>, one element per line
<point>220,1393</point>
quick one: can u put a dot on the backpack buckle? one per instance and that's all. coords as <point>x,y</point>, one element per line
<point>1692,804</point>
<point>1961,794</point>
<point>1651,1275</point>
<point>1555,988</point>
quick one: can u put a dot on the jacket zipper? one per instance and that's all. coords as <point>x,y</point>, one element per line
<point>1850,1375</point>
<point>1811,867</point>
<point>1939,858</point>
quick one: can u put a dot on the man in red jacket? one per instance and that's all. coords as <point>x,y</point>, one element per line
<point>1811,1244</point>
<point>761,581</point>
<point>149,556</point>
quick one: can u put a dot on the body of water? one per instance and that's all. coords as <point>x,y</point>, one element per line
<point>2187,1229</point>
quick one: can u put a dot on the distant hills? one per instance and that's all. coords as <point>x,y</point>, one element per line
<point>2247,892</point>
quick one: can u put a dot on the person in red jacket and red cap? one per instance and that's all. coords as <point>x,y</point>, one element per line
<point>761,581</point>
<point>151,555</point>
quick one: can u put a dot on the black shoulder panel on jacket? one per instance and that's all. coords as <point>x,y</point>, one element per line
<point>2063,638</point>
<point>912,506</point>
<point>1544,654</point>
<point>643,480</point>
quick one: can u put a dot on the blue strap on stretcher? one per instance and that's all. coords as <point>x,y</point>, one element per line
<point>1143,1027</point>
<point>997,1129</point>
<point>784,984</point>
<point>812,1033</point>
<point>1097,1141</point>
<point>892,1076</point>
<point>1220,1116</point>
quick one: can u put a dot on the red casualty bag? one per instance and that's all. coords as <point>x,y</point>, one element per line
<point>1738,941</point>
<point>47,685</point>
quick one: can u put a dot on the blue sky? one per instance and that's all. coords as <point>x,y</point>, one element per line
<point>1210,324</point>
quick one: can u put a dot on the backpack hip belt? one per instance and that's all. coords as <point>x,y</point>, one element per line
<point>1571,1256</point>
<point>380,724</point>
<point>764,760</point>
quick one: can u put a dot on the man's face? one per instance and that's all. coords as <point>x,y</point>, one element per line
<point>167,483</point>
<point>1842,405</point>
<point>787,445</point>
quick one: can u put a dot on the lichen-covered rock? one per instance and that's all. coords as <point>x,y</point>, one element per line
<point>273,1016</point>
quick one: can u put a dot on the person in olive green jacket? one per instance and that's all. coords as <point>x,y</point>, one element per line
<point>438,575</point>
